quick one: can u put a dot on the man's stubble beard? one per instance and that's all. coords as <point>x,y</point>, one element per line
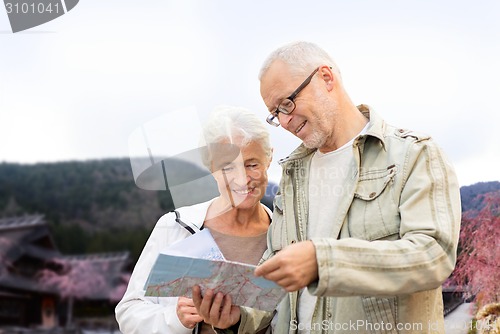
<point>321,133</point>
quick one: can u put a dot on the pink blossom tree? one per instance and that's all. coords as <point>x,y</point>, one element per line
<point>478,265</point>
<point>118,291</point>
<point>75,279</point>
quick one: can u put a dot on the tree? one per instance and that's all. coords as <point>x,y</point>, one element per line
<point>478,266</point>
<point>75,279</point>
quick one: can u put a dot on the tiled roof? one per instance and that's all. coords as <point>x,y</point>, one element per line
<point>19,245</point>
<point>21,222</point>
<point>96,257</point>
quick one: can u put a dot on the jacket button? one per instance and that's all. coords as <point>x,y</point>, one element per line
<point>372,195</point>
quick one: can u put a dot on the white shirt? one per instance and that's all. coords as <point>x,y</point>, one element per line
<point>327,178</point>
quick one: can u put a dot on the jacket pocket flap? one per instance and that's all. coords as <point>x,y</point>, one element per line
<point>373,182</point>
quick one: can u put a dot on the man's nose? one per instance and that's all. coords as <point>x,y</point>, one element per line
<point>284,120</point>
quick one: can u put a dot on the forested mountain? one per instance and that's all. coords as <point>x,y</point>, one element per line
<point>95,206</point>
<point>469,194</point>
<point>91,206</point>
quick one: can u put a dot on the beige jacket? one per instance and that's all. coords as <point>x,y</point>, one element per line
<point>394,242</point>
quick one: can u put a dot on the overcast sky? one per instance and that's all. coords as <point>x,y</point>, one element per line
<point>77,87</point>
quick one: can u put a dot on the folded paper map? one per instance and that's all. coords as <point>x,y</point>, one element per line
<point>199,245</point>
<point>173,275</point>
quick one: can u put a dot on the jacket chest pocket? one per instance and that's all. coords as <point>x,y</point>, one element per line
<point>373,214</point>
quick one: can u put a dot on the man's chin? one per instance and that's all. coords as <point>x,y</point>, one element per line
<point>313,143</point>
<point>315,139</point>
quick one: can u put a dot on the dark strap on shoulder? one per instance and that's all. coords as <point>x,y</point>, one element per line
<point>180,222</point>
<point>196,328</point>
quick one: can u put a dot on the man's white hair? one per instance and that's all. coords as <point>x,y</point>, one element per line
<point>301,57</point>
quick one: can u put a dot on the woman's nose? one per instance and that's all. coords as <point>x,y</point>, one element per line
<point>241,177</point>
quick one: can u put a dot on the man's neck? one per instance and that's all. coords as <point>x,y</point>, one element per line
<point>345,129</point>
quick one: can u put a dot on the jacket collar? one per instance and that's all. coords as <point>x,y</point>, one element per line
<point>377,125</point>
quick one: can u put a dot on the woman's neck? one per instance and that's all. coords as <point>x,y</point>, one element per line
<point>237,221</point>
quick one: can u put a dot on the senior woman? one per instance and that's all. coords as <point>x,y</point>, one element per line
<point>236,219</point>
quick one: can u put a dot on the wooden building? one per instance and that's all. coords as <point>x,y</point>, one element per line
<point>36,279</point>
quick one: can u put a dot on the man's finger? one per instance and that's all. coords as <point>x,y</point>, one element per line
<point>267,267</point>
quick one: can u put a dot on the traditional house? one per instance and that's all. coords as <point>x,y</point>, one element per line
<point>35,277</point>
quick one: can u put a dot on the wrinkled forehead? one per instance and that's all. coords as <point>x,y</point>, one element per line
<point>277,72</point>
<point>277,83</point>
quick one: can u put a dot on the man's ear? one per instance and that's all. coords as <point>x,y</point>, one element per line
<point>270,157</point>
<point>328,76</point>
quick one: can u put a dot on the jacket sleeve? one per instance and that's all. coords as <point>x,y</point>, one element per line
<point>136,313</point>
<point>252,320</point>
<point>422,252</point>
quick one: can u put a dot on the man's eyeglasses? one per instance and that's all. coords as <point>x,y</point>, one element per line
<point>287,106</point>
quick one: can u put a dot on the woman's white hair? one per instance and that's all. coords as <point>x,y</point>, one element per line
<point>301,57</point>
<point>226,124</point>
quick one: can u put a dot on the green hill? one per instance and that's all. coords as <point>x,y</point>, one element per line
<point>95,206</point>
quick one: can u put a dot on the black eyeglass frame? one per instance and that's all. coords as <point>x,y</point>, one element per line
<point>289,99</point>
